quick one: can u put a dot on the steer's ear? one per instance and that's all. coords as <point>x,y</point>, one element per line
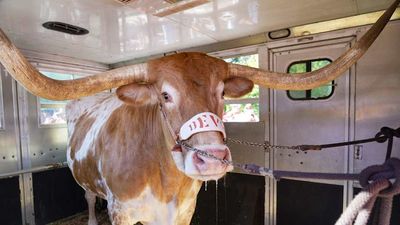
<point>237,86</point>
<point>137,94</point>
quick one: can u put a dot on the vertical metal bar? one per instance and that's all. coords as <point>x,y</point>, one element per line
<point>350,124</point>
<point>18,143</point>
<point>27,192</point>
<point>347,95</point>
<point>265,107</point>
<point>22,198</point>
<point>273,137</point>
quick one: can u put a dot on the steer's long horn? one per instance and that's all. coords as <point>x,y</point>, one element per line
<point>38,84</point>
<point>319,77</point>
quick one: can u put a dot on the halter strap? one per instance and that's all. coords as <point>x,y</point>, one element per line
<point>171,131</point>
<point>202,122</point>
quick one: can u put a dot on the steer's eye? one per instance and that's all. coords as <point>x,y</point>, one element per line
<point>166,96</point>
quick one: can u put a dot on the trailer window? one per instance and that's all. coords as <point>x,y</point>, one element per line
<point>322,92</point>
<point>246,108</point>
<point>53,112</point>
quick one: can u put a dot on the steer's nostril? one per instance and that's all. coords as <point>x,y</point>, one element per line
<point>197,159</point>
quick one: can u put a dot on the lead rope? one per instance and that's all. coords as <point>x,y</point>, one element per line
<point>385,134</point>
<point>375,181</point>
<point>259,170</point>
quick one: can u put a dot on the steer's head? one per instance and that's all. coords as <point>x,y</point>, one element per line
<point>186,85</point>
<point>190,88</point>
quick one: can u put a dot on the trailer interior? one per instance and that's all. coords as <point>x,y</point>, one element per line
<point>70,39</point>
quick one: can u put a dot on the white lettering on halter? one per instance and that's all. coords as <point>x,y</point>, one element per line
<point>202,122</point>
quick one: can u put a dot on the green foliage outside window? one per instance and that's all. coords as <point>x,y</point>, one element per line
<point>248,112</point>
<point>53,112</point>
<point>322,92</point>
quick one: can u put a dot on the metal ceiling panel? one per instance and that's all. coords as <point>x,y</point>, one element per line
<point>120,32</point>
<point>229,19</point>
<point>117,32</point>
<point>365,6</point>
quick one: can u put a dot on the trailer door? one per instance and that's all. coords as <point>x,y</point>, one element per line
<point>310,117</point>
<point>314,116</point>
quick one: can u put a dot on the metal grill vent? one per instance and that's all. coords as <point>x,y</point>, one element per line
<point>125,2</point>
<point>65,28</point>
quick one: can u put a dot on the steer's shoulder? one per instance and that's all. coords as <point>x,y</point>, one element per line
<point>92,105</point>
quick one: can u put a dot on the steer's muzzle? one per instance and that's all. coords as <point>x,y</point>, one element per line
<point>203,167</point>
<point>206,132</point>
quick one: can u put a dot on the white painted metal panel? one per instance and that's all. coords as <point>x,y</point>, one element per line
<point>251,132</point>
<point>225,20</point>
<point>311,121</point>
<point>9,144</point>
<point>378,95</point>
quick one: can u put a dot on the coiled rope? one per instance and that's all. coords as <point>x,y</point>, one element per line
<point>375,185</point>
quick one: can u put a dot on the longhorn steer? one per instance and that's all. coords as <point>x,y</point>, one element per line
<point>121,147</point>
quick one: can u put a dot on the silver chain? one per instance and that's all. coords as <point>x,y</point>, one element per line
<point>206,154</point>
<point>266,145</point>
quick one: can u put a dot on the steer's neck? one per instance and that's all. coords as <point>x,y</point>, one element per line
<point>166,181</point>
<point>175,184</point>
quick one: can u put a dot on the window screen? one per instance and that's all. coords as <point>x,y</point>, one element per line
<point>246,108</point>
<point>53,112</point>
<point>322,92</point>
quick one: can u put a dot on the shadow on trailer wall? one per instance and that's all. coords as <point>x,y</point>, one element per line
<point>10,204</point>
<point>306,203</point>
<point>56,196</point>
<point>237,200</point>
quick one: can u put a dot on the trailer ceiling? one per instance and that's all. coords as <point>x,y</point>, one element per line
<point>121,32</point>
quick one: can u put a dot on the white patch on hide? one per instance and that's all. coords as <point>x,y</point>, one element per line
<point>146,208</point>
<point>99,107</point>
<point>70,162</point>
